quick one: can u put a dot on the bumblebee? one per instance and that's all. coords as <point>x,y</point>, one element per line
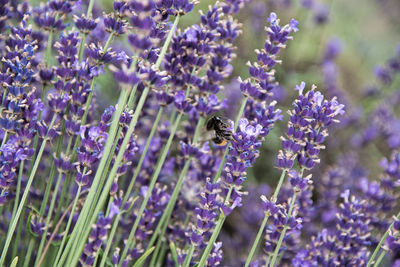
<point>222,134</point>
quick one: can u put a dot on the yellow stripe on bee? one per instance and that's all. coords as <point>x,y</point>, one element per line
<point>222,143</point>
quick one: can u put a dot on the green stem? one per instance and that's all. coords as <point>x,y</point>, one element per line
<point>18,236</point>
<point>161,255</point>
<point>267,261</point>
<point>172,201</point>
<point>80,231</point>
<point>15,246</point>
<point>380,258</point>
<point>189,256</point>
<point>157,171</point>
<point>46,228</point>
<point>212,240</point>
<point>14,222</point>
<point>110,240</point>
<point>68,225</point>
<point>90,8</point>
<point>52,175</point>
<point>383,239</point>
<point>49,45</point>
<point>29,252</point>
<point>256,241</point>
<point>76,233</point>
<point>104,176</point>
<point>132,97</point>
<point>283,233</point>
<point>278,187</point>
<point>264,222</point>
<point>21,170</point>
<point>167,42</point>
<point>143,155</point>
<point>81,48</point>
<point>74,257</point>
<point>65,186</point>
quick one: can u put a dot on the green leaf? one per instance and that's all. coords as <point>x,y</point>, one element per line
<point>28,226</point>
<point>141,260</point>
<point>173,253</point>
<point>14,262</point>
<point>197,264</point>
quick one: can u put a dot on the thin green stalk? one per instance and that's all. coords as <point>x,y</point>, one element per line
<point>20,172</point>
<point>167,42</point>
<point>66,184</point>
<point>383,239</point>
<point>18,236</point>
<point>267,261</point>
<point>178,186</point>
<point>159,241</point>
<point>68,224</point>
<point>81,231</point>
<point>81,48</point>
<point>48,219</point>
<point>90,8</point>
<point>36,139</point>
<point>110,239</point>
<point>143,155</point>
<point>238,116</point>
<point>189,256</point>
<point>50,182</point>
<point>156,173</point>
<point>104,176</point>
<point>15,246</point>
<point>278,187</point>
<point>212,240</point>
<point>14,222</point>
<point>49,44</point>
<point>51,176</point>
<point>29,253</point>
<point>132,97</point>
<point>107,150</point>
<point>73,258</point>
<point>257,240</point>
<point>264,222</point>
<point>172,201</point>
<point>217,230</point>
<point>279,244</point>
<point>161,255</point>
<point>380,258</point>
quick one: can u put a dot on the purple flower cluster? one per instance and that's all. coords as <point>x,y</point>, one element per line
<point>347,245</point>
<point>307,129</point>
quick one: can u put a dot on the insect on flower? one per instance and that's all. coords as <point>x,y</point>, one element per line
<point>222,133</point>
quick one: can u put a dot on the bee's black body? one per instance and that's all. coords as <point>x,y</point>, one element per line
<point>220,129</point>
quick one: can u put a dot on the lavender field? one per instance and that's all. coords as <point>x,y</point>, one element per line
<point>194,133</point>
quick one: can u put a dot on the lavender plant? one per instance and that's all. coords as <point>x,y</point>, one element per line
<point>107,156</point>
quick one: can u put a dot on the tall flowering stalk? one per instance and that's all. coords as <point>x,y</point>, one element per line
<point>249,132</point>
<point>307,130</point>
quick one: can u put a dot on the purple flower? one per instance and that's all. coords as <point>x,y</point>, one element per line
<point>181,103</point>
<point>307,127</point>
